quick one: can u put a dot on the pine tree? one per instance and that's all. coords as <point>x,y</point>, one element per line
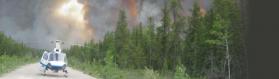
<point>163,35</point>
<point>122,40</point>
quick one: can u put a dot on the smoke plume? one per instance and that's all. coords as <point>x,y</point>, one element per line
<point>35,23</point>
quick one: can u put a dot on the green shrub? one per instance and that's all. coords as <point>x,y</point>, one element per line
<point>150,74</point>
<point>9,63</point>
<point>180,73</point>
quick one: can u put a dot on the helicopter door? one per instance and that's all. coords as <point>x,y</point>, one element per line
<point>45,58</point>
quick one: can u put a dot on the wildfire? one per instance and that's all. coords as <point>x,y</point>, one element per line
<point>72,9</point>
<point>73,14</point>
<point>202,8</point>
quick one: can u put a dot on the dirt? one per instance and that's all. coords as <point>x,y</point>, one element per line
<point>32,71</point>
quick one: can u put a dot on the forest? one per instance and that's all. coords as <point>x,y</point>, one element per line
<point>14,54</point>
<point>200,46</point>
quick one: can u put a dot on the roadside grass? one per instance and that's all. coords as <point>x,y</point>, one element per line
<point>113,72</point>
<point>9,63</point>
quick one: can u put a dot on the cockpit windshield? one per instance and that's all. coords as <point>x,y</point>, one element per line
<point>56,57</point>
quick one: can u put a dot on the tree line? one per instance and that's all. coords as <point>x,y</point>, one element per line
<point>10,47</point>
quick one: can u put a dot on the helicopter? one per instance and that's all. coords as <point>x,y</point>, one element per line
<point>54,60</point>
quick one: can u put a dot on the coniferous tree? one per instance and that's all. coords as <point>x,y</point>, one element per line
<point>121,40</point>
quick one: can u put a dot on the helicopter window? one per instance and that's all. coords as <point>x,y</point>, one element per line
<point>45,56</point>
<point>56,57</point>
<point>62,57</point>
<point>53,57</point>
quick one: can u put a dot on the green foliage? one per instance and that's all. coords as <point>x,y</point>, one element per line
<point>9,63</point>
<point>13,54</point>
<point>150,74</point>
<point>10,47</point>
<point>180,73</point>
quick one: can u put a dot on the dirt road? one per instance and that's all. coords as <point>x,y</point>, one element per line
<point>32,71</point>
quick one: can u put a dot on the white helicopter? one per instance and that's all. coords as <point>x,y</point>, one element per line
<point>54,60</point>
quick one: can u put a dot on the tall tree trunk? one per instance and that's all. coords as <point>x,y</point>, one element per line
<point>228,58</point>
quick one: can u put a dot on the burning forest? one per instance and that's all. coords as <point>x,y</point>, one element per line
<point>36,23</point>
<point>127,39</point>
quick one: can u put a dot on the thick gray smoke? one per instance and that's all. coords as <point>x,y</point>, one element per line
<point>33,22</point>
